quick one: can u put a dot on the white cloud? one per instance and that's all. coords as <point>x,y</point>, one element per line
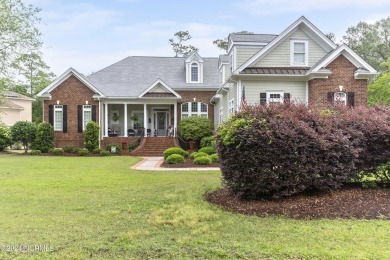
<point>269,7</point>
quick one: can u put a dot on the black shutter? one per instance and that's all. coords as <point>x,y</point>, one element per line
<point>287,97</point>
<point>351,99</point>
<point>51,114</point>
<point>79,118</point>
<point>64,118</point>
<point>331,98</point>
<point>263,98</point>
<point>94,113</point>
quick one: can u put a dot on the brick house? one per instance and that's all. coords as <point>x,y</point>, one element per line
<point>155,93</point>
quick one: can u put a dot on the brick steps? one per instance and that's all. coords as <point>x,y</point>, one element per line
<point>154,146</point>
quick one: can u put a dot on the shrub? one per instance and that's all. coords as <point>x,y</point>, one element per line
<point>91,136</point>
<point>214,158</point>
<point>192,155</point>
<point>24,132</point>
<point>96,151</point>
<point>195,128</point>
<point>174,159</point>
<point>105,153</point>
<point>35,152</point>
<point>132,146</point>
<point>200,154</point>
<point>44,139</point>
<point>69,149</point>
<point>82,152</point>
<point>285,149</point>
<point>57,151</point>
<point>175,150</point>
<point>117,146</point>
<point>208,141</point>
<point>208,150</point>
<point>202,160</point>
<point>5,138</point>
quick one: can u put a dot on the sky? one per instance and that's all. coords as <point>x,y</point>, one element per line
<point>89,35</point>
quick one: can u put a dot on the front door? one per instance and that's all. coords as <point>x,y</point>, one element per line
<point>161,123</point>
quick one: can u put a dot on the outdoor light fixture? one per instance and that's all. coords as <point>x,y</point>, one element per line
<point>58,102</point>
<point>341,88</point>
<point>194,99</point>
<point>86,102</point>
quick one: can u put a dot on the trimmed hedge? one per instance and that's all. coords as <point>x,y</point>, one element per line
<point>208,141</point>
<point>82,152</point>
<point>91,136</point>
<point>57,151</point>
<point>214,158</point>
<point>105,153</point>
<point>96,151</point>
<point>175,150</point>
<point>69,149</point>
<point>44,139</point>
<point>5,137</point>
<point>200,154</point>
<point>35,152</point>
<point>203,160</point>
<point>174,159</point>
<point>208,150</point>
<point>286,149</point>
<point>192,155</point>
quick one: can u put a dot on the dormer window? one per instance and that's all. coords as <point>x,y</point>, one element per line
<point>194,72</point>
<point>299,53</point>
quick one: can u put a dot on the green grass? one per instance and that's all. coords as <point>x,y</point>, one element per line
<point>96,207</point>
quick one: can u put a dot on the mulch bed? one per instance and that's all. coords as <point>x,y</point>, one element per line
<point>348,202</point>
<point>187,164</point>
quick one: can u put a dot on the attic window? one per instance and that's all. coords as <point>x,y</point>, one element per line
<point>194,72</point>
<point>299,53</point>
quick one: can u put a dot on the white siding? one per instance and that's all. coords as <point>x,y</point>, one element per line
<point>297,90</point>
<point>159,88</point>
<point>245,53</point>
<point>232,95</point>
<point>280,55</point>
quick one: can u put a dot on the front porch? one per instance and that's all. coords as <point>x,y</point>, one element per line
<point>133,120</point>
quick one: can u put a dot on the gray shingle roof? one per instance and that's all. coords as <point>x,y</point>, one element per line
<point>133,75</point>
<point>266,38</point>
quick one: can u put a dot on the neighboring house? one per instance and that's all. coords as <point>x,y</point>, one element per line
<point>15,107</point>
<point>155,93</point>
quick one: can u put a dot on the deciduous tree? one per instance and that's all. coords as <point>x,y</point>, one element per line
<point>178,47</point>
<point>223,43</point>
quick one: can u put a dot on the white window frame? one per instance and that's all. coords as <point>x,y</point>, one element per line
<point>58,108</point>
<point>197,113</point>
<point>220,115</point>
<point>281,93</point>
<point>231,107</point>
<point>292,52</point>
<point>340,98</point>
<point>86,108</point>
<point>194,64</point>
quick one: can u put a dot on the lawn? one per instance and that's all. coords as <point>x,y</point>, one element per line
<point>96,207</point>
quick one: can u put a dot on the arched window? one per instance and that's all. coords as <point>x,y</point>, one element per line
<point>194,72</point>
<point>194,109</point>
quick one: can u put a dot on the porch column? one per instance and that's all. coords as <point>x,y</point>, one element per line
<point>145,119</point>
<point>174,119</point>
<point>125,128</point>
<point>105,119</point>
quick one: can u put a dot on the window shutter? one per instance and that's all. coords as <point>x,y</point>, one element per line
<point>263,98</point>
<point>286,98</point>
<point>94,113</point>
<point>64,118</point>
<point>351,99</point>
<point>79,118</point>
<point>331,98</point>
<point>51,114</point>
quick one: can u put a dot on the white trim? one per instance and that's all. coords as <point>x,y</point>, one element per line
<point>247,44</point>
<point>231,107</point>
<point>280,37</point>
<point>352,57</point>
<point>198,72</point>
<point>159,81</point>
<point>239,94</point>
<point>199,112</point>
<point>307,93</point>
<point>86,110</point>
<point>192,55</point>
<point>292,53</point>
<point>64,77</point>
<point>58,108</point>
<point>269,93</point>
<point>106,120</point>
<point>126,127</point>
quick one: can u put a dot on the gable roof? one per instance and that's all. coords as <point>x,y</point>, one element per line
<point>10,105</point>
<point>15,95</point>
<point>350,55</point>
<point>301,21</point>
<point>149,93</point>
<point>194,55</point>
<point>131,76</point>
<point>46,91</point>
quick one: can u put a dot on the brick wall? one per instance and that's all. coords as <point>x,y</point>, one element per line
<point>342,75</point>
<point>201,96</point>
<point>71,92</point>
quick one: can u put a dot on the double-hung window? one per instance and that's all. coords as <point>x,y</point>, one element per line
<point>275,97</point>
<point>231,106</point>
<point>299,53</point>
<point>87,115</point>
<point>58,118</point>
<point>194,72</point>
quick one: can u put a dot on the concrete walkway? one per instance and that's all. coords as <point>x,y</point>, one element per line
<point>153,164</point>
